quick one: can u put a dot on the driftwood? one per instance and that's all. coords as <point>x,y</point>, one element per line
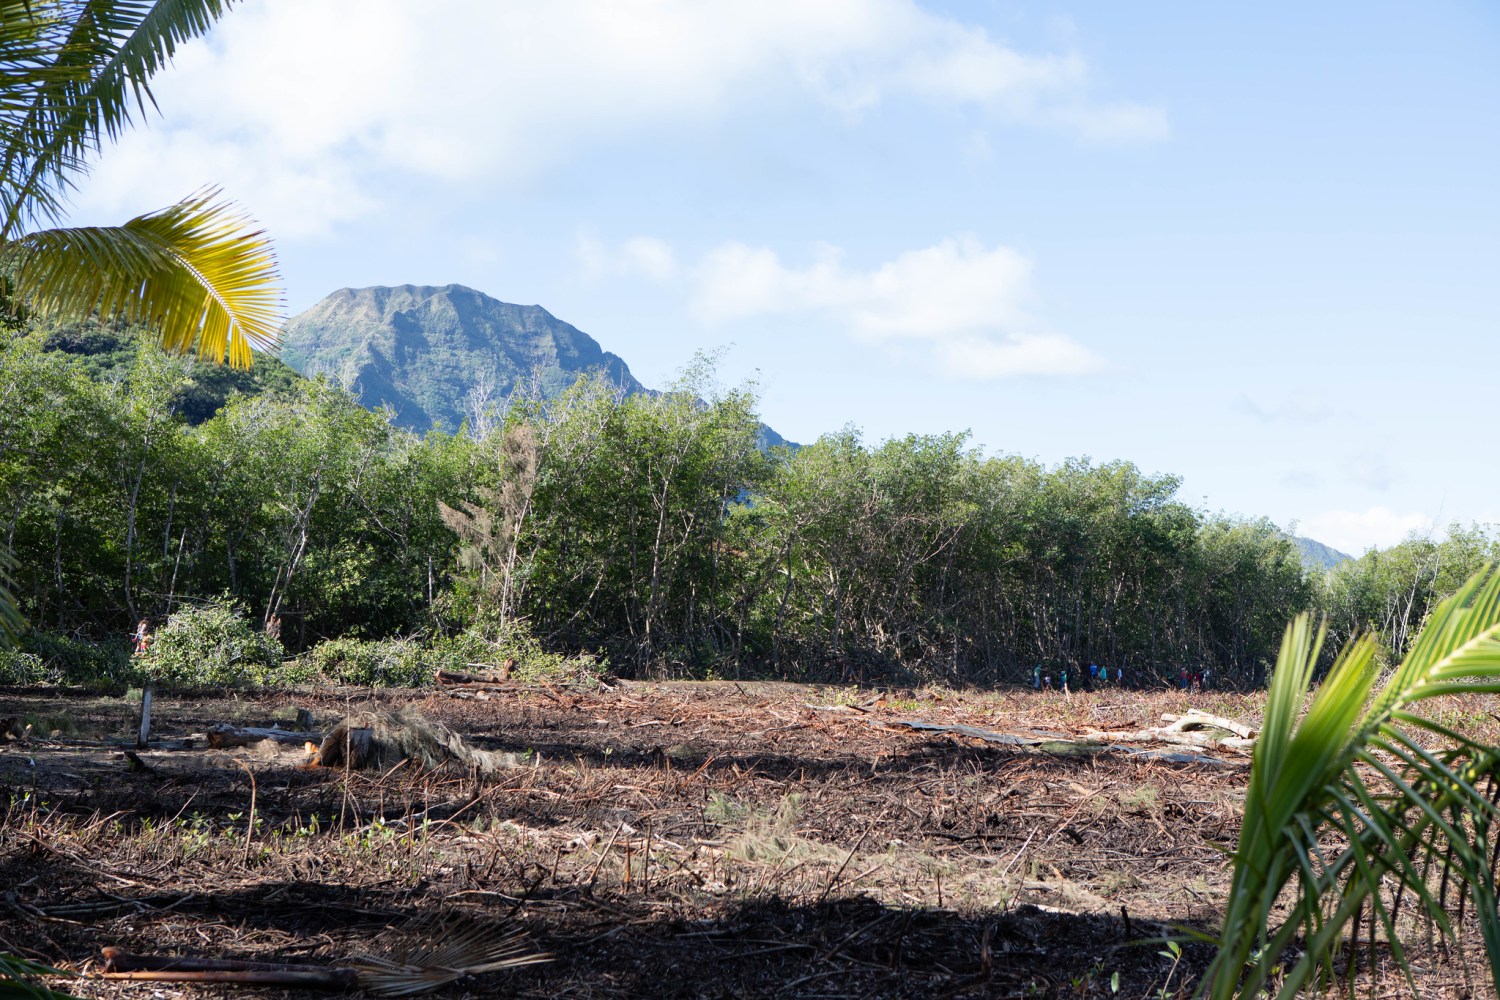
<point>121,964</point>
<point>224,735</point>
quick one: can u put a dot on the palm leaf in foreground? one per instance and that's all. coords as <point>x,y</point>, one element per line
<point>1370,807</point>
<point>18,980</point>
<point>197,273</point>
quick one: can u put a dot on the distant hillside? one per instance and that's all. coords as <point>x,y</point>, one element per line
<point>1316,555</point>
<point>422,350</point>
<point>107,352</point>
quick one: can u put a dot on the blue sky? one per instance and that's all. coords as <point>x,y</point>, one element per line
<point>1258,248</point>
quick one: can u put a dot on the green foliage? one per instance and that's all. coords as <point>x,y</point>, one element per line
<point>18,980</point>
<point>649,527</point>
<point>75,73</point>
<point>22,669</point>
<point>212,645</point>
<point>108,353</point>
<point>490,642</point>
<point>11,622</point>
<point>1390,592</point>
<point>75,661</point>
<point>1363,805</point>
<point>382,663</point>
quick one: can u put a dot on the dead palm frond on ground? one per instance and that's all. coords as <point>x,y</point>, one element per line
<point>1369,812</point>
<point>419,958</point>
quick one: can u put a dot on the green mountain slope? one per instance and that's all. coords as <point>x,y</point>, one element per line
<point>1316,555</point>
<point>424,350</point>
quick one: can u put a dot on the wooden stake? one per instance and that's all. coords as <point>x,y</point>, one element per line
<point>144,736</point>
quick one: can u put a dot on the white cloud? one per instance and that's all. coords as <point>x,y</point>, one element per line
<point>979,357</point>
<point>639,256</point>
<point>963,300</point>
<point>297,104</point>
<point>1354,531</point>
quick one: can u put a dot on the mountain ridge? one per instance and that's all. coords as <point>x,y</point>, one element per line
<point>424,350</point>
<point>1316,555</point>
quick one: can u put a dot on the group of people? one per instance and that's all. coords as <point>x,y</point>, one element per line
<point>1041,677</point>
<point>1070,678</point>
<point>1194,680</point>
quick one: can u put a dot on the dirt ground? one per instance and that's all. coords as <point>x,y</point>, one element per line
<point>659,840</point>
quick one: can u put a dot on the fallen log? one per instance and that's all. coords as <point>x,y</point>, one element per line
<point>457,677</point>
<point>225,735</point>
<point>1092,742</point>
<point>1198,719</point>
<point>490,676</point>
<point>1200,740</point>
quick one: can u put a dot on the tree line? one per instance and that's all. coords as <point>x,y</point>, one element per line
<point>652,528</point>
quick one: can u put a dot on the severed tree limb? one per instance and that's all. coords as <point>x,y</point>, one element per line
<point>1202,740</point>
<point>224,735</point>
<point>1197,719</point>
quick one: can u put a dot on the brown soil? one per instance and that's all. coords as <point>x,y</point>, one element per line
<point>672,840</point>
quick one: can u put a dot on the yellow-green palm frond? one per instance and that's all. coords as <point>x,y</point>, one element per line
<point>198,273</point>
<point>1368,806</point>
<point>71,73</point>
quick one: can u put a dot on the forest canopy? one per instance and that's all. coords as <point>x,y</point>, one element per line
<point>648,527</point>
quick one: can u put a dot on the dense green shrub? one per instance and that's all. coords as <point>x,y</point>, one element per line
<point>212,645</point>
<point>21,668</point>
<point>385,663</point>
<point>71,660</point>
<point>487,644</point>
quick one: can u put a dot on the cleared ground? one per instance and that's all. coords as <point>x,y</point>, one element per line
<point>672,840</point>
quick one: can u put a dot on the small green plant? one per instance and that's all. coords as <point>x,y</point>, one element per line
<point>1173,950</point>
<point>487,644</point>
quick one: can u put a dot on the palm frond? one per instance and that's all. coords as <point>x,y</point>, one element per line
<point>18,980</point>
<point>427,955</point>
<point>1367,805</point>
<point>74,73</point>
<point>197,273</point>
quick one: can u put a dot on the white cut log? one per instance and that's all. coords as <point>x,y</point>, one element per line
<point>1197,719</point>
